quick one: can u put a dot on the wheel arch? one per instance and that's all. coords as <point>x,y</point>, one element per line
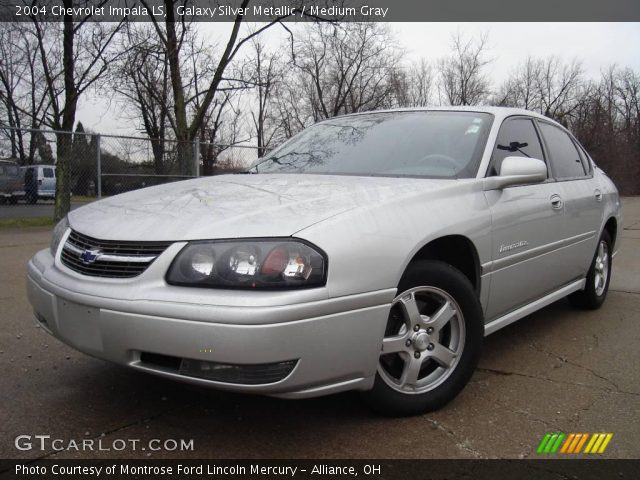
<point>456,250</point>
<point>611,227</point>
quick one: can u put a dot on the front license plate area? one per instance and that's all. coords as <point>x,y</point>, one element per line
<point>80,325</point>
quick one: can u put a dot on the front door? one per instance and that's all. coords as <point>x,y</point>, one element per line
<point>527,223</point>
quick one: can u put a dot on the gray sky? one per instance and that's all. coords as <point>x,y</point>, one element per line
<point>597,45</point>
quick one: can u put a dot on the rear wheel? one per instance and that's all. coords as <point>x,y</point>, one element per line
<point>598,277</point>
<point>432,341</point>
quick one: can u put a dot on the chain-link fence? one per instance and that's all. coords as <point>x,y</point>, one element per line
<point>104,165</point>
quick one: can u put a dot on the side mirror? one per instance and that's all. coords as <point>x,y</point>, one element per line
<point>517,171</point>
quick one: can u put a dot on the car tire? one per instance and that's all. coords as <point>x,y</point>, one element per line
<point>438,291</point>
<point>32,199</point>
<point>598,277</point>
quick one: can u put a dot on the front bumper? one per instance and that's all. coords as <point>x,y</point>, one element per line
<point>336,342</point>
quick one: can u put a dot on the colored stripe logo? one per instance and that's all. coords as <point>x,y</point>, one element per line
<point>573,443</point>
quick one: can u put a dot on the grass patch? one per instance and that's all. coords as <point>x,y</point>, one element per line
<point>26,222</point>
<point>83,199</point>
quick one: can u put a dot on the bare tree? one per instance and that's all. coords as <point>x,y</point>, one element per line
<point>172,33</point>
<point>521,88</point>
<point>413,86</point>
<point>21,89</point>
<point>13,71</point>
<point>627,89</point>
<point>346,68</point>
<point>141,78</point>
<point>549,86</point>
<point>606,119</point>
<point>557,84</point>
<point>220,131</point>
<point>462,80</point>
<point>83,47</point>
<point>266,73</point>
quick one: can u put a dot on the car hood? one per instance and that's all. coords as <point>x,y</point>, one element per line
<point>237,206</point>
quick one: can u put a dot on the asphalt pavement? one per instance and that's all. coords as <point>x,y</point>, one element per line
<point>557,370</point>
<point>43,208</point>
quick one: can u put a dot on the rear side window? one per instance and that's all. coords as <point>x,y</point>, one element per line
<point>565,158</point>
<point>12,170</point>
<point>584,157</point>
<point>48,172</point>
<point>517,138</point>
<point>2,171</point>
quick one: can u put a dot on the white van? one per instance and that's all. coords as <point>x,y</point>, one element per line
<point>39,182</point>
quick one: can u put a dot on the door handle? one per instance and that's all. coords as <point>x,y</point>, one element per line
<point>598,195</point>
<point>556,202</point>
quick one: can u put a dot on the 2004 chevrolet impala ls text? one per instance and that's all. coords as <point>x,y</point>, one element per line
<point>369,252</point>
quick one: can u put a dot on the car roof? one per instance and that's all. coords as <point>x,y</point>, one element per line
<point>10,162</point>
<point>500,113</point>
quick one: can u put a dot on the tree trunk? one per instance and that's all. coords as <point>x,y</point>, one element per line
<point>63,140</point>
<point>157,147</point>
<point>63,176</point>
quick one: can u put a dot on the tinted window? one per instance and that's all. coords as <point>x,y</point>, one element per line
<point>12,170</point>
<point>2,172</point>
<point>48,172</point>
<point>564,155</point>
<point>517,138</point>
<point>427,143</point>
<point>585,159</point>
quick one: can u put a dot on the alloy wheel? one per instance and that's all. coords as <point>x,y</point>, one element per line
<point>423,342</point>
<point>601,268</point>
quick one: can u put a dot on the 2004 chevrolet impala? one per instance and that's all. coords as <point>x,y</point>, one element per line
<point>370,252</point>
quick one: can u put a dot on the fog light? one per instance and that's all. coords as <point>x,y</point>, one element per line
<point>256,374</point>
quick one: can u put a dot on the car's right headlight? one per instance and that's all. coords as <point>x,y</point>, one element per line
<point>58,232</point>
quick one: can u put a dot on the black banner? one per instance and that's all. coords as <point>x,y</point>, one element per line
<point>339,10</point>
<point>579,469</point>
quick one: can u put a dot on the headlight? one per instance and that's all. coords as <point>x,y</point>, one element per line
<point>251,264</point>
<point>58,232</point>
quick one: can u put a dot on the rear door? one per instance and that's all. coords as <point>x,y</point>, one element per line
<point>581,196</point>
<point>48,186</point>
<point>527,222</point>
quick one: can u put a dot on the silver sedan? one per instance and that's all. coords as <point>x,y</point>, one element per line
<point>370,252</point>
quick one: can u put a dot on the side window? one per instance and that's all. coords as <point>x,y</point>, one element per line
<point>1,169</point>
<point>517,138</point>
<point>565,158</point>
<point>48,172</point>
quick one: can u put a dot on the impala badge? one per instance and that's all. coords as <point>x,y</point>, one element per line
<point>513,246</point>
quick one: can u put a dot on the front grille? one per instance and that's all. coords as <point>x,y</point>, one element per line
<point>253,374</point>
<point>109,258</point>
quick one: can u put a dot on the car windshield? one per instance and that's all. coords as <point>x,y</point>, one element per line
<point>435,144</point>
